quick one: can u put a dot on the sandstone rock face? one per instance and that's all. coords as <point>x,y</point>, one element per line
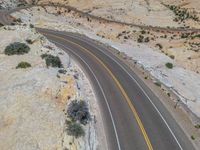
<point>33,100</point>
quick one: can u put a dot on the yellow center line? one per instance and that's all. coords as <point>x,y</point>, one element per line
<point>121,89</point>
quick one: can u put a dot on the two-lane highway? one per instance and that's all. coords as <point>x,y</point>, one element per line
<point>134,118</point>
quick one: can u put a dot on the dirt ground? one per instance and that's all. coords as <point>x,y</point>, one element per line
<point>145,12</point>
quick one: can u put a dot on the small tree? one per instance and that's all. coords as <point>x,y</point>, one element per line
<point>1,25</point>
<point>23,65</point>
<point>78,111</point>
<point>75,129</point>
<point>169,65</point>
<point>17,48</point>
<point>159,45</point>
<point>31,26</point>
<point>146,39</point>
<point>53,61</point>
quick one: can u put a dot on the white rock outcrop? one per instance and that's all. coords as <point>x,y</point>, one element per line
<point>33,100</point>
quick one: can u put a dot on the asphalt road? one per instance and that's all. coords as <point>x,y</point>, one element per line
<point>134,118</point>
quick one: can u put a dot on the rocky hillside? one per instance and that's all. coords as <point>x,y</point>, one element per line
<point>164,13</point>
<point>38,82</point>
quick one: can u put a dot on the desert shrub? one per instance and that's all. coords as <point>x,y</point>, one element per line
<point>62,71</point>
<point>75,129</point>
<point>158,84</point>
<point>143,31</point>
<point>18,20</point>
<point>17,48</point>
<point>168,94</point>
<point>182,13</point>
<point>53,61</point>
<point>159,45</point>
<point>12,24</point>
<point>146,39</point>
<point>23,65</point>
<point>1,25</point>
<point>140,39</point>
<point>172,56</point>
<point>192,137</point>
<point>78,111</point>
<point>29,41</point>
<point>31,26</point>
<point>169,65</point>
<point>197,126</point>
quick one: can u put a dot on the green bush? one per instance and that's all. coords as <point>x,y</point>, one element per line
<point>1,25</point>
<point>159,45</point>
<point>146,39</point>
<point>78,111</point>
<point>17,48</point>
<point>158,84</point>
<point>29,41</point>
<point>143,32</point>
<point>197,126</point>
<point>53,61</point>
<point>192,137</point>
<point>140,39</point>
<point>172,56</point>
<point>62,71</point>
<point>23,65</point>
<point>75,129</point>
<point>31,26</point>
<point>169,65</point>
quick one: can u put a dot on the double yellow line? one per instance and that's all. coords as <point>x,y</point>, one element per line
<point>149,145</point>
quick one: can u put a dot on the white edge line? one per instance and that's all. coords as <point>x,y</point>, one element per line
<point>115,130</point>
<point>138,86</point>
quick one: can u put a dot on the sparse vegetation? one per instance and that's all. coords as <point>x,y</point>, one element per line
<point>158,84</point>
<point>172,56</point>
<point>141,39</point>
<point>197,126</point>
<point>62,71</point>
<point>159,45</point>
<point>17,48</point>
<point>182,13</point>
<point>143,32</point>
<point>29,41</point>
<point>192,137</point>
<point>168,94</point>
<point>146,39</point>
<point>195,36</point>
<point>1,25</point>
<point>53,61</point>
<point>23,65</point>
<point>169,65</point>
<point>75,129</point>
<point>78,111</point>
<point>31,26</point>
<point>18,20</point>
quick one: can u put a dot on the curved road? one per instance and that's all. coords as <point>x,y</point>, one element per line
<point>133,117</point>
<point>5,14</point>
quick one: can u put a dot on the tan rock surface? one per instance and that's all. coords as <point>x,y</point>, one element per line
<point>146,12</point>
<point>33,100</point>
